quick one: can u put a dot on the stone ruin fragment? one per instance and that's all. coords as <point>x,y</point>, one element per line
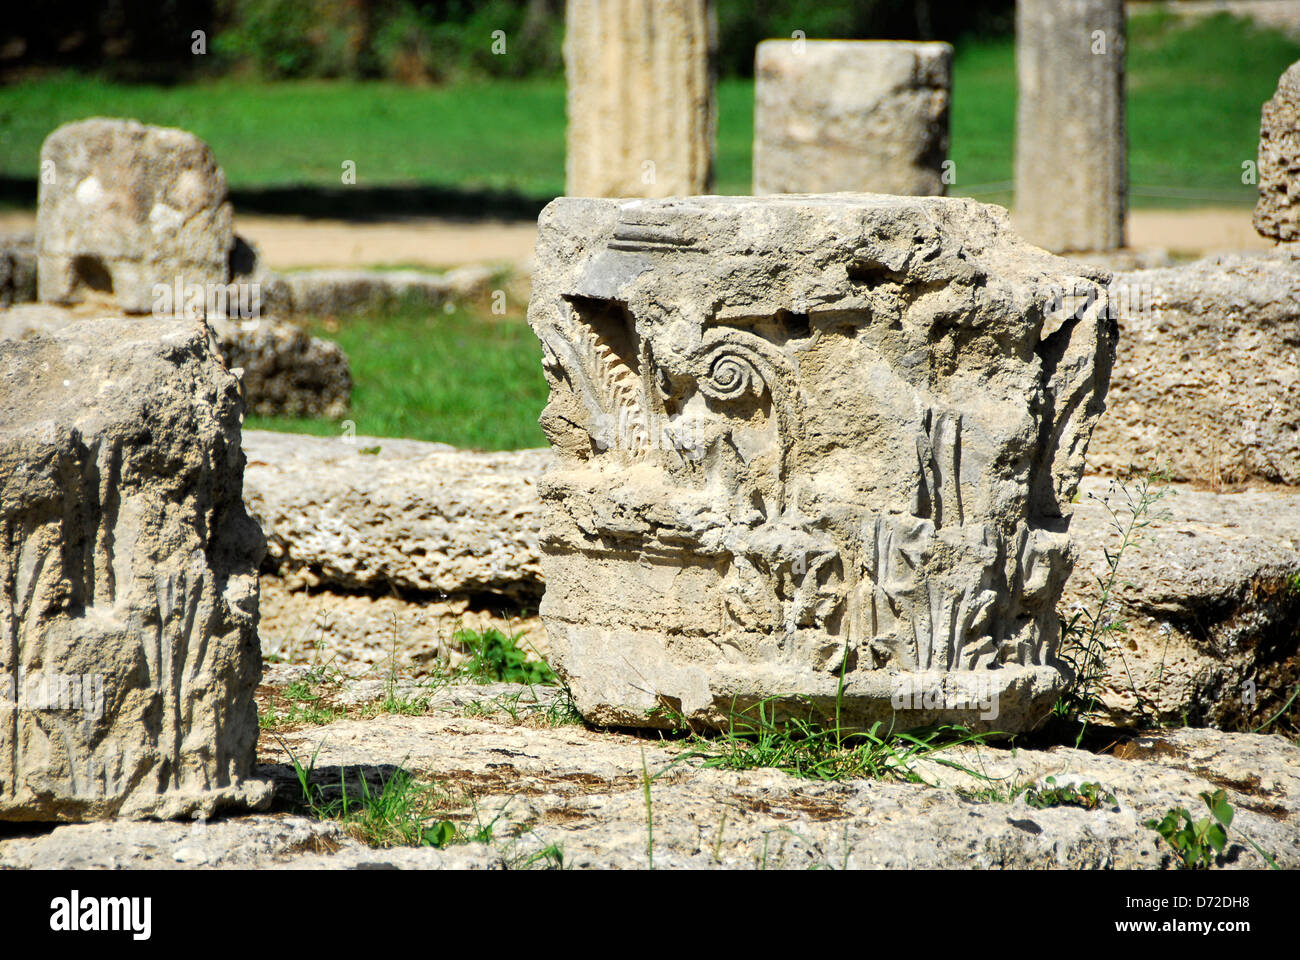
<point>128,577</point>
<point>1277,212</point>
<point>814,448</point>
<point>122,207</point>
<point>856,115</point>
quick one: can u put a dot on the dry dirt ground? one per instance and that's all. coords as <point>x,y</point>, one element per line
<point>287,243</point>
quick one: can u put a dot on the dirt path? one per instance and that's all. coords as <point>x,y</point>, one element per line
<point>288,242</point>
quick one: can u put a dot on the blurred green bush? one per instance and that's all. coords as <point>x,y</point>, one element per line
<point>418,41</point>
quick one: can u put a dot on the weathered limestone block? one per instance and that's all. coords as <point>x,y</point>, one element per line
<point>642,111</point>
<point>793,428</point>
<point>282,371</point>
<point>1209,599</point>
<point>128,577</point>
<point>1277,213</point>
<point>845,115</point>
<point>1207,382</point>
<point>333,292</point>
<point>1071,146</point>
<point>124,206</point>
<point>374,513</point>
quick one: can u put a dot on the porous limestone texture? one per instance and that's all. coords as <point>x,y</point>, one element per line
<point>1277,212</point>
<point>810,447</point>
<point>641,106</point>
<point>128,577</point>
<point>282,371</point>
<point>373,632</point>
<point>122,207</point>
<point>1209,594</point>
<point>1071,166</point>
<point>1207,380</point>
<point>374,513</point>
<point>851,115</point>
<point>581,793</point>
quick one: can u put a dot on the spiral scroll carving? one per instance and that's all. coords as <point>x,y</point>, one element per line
<point>727,370</point>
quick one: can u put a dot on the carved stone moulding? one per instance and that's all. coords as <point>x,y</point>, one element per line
<point>813,448</point>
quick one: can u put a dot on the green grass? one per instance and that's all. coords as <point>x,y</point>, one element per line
<point>824,750</point>
<point>467,378</point>
<point>485,135</point>
<point>1194,97</point>
<point>497,658</point>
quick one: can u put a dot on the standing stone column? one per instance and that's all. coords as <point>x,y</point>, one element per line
<point>1071,148</point>
<point>641,105</point>
<point>851,115</point>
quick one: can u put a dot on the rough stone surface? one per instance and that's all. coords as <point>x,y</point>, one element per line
<point>128,577</point>
<point>844,115</point>
<point>124,206</point>
<point>583,792</point>
<point>641,106</point>
<point>17,270</point>
<point>372,514</point>
<point>360,632</point>
<point>793,426</point>
<point>1277,213</point>
<point>1071,148</point>
<point>1209,598</point>
<point>331,292</point>
<point>282,371</point>
<point>1206,601</point>
<point>1207,378</point>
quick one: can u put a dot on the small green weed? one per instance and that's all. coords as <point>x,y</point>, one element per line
<point>496,657</point>
<point>1196,842</point>
<point>1089,796</point>
<point>401,811</point>
<point>818,750</point>
<point>304,706</point>
<point>1087,637</point>
<point>393,701</point>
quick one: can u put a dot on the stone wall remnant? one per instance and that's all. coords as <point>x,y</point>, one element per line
<point>1207,382</point>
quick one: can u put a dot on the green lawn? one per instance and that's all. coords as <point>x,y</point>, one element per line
<point>467,378</point>
<point>1194,99</point>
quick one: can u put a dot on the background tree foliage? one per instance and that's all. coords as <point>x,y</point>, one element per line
<point>414,41</point>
